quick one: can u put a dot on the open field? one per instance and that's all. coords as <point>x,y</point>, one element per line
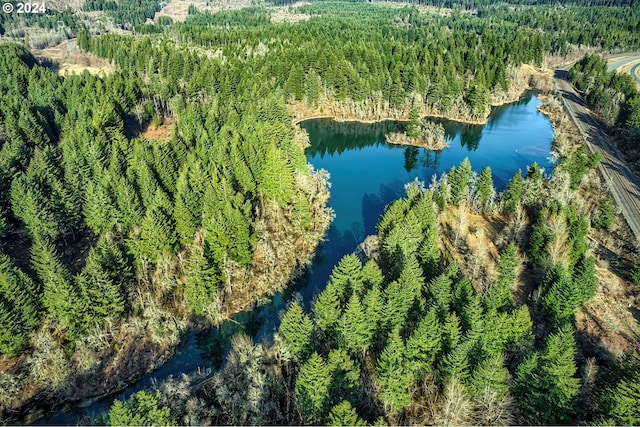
<point>178,9</point>
<point>65,58</point>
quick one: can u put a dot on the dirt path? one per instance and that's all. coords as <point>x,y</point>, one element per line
<point>621,182</point>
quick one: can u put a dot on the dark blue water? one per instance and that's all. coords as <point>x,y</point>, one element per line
<point>366,174</point>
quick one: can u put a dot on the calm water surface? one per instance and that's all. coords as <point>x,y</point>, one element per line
<point>366,174</point>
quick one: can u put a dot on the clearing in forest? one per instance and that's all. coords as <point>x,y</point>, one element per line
<point>66,59</point>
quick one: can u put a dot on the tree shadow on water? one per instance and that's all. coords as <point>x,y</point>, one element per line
<point>373,204</point>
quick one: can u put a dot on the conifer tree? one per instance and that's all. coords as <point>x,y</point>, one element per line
<point>101,283</point>
<point>327,309</point>
<point>393,374</point>
<point>451,333</point>
<point>277,177</point>
<point>343,414</point>
<point>12,335</point>
<point>439,292</point>
<point>142,409</point>
<point>345,377</point>
<point>312,87</point>
<point>347,276</point>
<point>20,307</point>
<point>562,298</point>
<point>424,344</point>
<point>99,208</point>
<point>202,281</point>
<point>485,192</point>
<point>624,397</point>
<point>312,389</point>
<point>429,252</point>
<point>500,297</point>
<point>456,363</point>
<point>490,374</point>
<point>297,330</point>
<point>545,382</point>
<point>128,204</point>
<point>354,330</point>
<point>372,274</point>
<point>413,127</point>
<point>393,215</point>
<point>404,239</point>
<point>158,232</point>
<point>513,193</point>
<point>59,296</point>
<point>398,302</point>
<point>32,208</point>
<point>373,303</point>
<point>458,180</point>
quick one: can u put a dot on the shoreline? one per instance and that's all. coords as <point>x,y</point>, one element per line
<point>401,138</point>
<point>295,121</point>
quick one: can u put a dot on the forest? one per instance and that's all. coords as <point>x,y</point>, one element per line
<point>113,245</point>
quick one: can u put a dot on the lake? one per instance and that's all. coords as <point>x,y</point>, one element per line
<point>366,174</point>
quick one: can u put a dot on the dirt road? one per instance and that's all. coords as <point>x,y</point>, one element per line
<point>622,184</point>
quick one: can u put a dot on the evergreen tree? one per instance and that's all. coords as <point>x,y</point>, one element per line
<point>99,208</point>
<point>343,414</point>
<point>485,192</point>
<point>439,293</point>
<point>345,377</point>
<point>393,374</point>
<point>158,232</point>
<point>372,274</point>
<point>456,363</point>
<point>451,333</point>
<point>101,284</point>
<point>32,208</point>
<point>563,297</point>
<point>373,303</point>
<point>354,330</point>
<point>12,335</point>
<point>424,344</point>
<point>277,177</point>
<point>490,374</point>
<point>622,400</point>
<point>19,307</point>
<point>500,297</point>
<point>605,214</point>
<point>513,193</point>
<point>398,303</point>
<point>458,180</point>
<point>312,389</point>
<point>128,204</point>
<point>202,281</point>
<point>327,309</point>
<point>59,296</point>
<point>347,276</point>
<point>142,409</point>
<point>297,330</point>
<point>429,252</point>
<point>413,127</point>
<point>545,382</point>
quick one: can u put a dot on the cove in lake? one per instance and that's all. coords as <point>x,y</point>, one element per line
<point>366,175</point>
